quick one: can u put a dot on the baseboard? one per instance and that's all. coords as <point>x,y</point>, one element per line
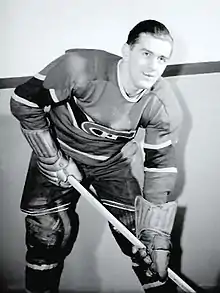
<point>171,70</point>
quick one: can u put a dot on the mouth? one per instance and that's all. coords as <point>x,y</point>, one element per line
<point>149,75</point>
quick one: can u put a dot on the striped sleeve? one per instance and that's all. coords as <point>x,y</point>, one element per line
<point>161,135</point>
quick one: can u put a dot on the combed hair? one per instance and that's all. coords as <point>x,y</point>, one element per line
<point>149,26</point>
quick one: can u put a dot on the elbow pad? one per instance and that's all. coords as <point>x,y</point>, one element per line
<point>42,144</point>
<point>51,161</point>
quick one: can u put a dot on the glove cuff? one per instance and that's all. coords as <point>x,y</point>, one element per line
<point>159,218</point>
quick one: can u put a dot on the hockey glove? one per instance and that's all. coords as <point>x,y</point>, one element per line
<point>52,162</point>
<point>154,224</point>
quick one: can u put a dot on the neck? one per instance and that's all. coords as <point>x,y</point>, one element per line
<point>125,80</point>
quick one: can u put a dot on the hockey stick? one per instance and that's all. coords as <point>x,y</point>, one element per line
<point>123,230</point>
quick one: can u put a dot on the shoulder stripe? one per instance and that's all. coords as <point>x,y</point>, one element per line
<point>40,76</point>
<point>24,101</point>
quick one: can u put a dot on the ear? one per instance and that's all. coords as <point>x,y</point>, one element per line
<point>126,51</point>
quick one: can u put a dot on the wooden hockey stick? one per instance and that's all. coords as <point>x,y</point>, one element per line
<point>123,230</point>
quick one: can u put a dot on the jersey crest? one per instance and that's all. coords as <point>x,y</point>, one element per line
<point>105,132</point>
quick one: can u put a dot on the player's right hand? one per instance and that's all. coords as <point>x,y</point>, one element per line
<point>58,172</point>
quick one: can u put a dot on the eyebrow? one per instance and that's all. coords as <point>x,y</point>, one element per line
<point>143,49</point>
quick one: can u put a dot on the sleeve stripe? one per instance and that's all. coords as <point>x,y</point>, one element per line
<point>157,146</point>
<point>161,170</point>
<point>53,95</point>
<point>40,76</point>
<point>41,267</point>
<point>24,101</point>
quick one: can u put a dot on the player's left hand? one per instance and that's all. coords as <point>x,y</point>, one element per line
<point>155,258</point>
<point>154,224</point>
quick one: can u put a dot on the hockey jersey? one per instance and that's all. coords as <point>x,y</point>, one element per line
<point>80,95</point>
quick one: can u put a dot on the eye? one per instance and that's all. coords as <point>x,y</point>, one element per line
<point>146,54</point>
<point>162,59</point>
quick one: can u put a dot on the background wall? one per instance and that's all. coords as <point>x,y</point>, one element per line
<point>32,33</point>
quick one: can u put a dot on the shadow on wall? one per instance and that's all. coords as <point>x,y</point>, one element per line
<point>217,286</point>
<point>183,139</point>
<point>176,253</point>
<point>3,283</point>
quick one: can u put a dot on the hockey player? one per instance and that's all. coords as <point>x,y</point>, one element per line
<point>80,115</point>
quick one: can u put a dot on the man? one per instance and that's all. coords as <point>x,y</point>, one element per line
<point>80,115</point>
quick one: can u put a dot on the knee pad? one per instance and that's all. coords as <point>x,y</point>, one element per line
<point>50,237</point>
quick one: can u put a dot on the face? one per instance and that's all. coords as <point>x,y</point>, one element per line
<point>146,60</point>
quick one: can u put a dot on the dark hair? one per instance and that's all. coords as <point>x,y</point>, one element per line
<point>149,26</point>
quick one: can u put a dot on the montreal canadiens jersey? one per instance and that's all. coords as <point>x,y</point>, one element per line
<point>80,95</point>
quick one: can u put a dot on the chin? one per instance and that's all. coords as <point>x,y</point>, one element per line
<point>147,84</point>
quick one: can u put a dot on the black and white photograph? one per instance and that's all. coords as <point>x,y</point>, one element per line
<point>109,146</point>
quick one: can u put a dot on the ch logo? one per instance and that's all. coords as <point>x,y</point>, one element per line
<point>105,132</point>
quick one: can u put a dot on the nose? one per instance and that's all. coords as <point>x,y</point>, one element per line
<point>152,64</point>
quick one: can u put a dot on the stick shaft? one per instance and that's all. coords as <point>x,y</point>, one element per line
<point>123,230</point>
